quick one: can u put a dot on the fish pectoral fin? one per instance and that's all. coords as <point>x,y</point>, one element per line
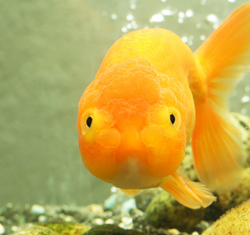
<point>190,194</point>
<point>131,192</point>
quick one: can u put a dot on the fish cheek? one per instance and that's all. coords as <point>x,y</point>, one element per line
<point>165,149</point>
<point>99,161</point>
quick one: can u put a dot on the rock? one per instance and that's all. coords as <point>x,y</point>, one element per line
<point>110,229</point>
<point>165,212</point>
<point>36,230</point>
<point>236,221</point>
<point>55,228</point>
<point>145,196</point>
<point>61,227</point>
<point>243,122</point>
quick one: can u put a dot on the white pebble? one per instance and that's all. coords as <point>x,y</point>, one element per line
<point>127,220</point>
<point>15,228</point>
<point>98,221</point>
<point>42,218</point>
<point>95,209</point>
<point>109,221</point>
<point>37,209</point>
<point>2,230</point>
<point>128,205</point>
<point>195,233</point>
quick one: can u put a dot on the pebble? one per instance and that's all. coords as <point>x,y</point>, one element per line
<point>2,230</point>
<point>37,209</point>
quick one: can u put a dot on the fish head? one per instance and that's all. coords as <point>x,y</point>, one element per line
<point>132,130</point>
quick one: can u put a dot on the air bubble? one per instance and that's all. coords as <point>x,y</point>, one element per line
<point>184,39</point>
<point>113,16</point>
<point>189,13</point>
<point>202,37</point>
<point>132,4</point>
<point>181,14</point>
<point>124,29</point>
<point>245,99</point>
<point>203,2</point>
<point>198,25</point>
<point>113,189</point>
<point>180,20</point>
<point>212,18</point>
<point>129,17</point>
<point>134,25</point>
<point>156,18</point>
<point>129,26</point>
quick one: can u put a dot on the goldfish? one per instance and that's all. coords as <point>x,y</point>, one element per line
<point>152,96</point>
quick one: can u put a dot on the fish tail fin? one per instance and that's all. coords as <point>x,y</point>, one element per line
<point>221,61</point>
<point>190,194</point>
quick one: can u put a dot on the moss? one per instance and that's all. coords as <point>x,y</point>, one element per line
<point>66,228</point>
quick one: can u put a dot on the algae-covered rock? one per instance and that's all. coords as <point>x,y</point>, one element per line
<point>55,228</point>
<point>236,221</point>
<point>243,123</point>
<point>36,230</point>
<point>144,198</point>
<point>165,212</point>
<point>109,229</point>
<point>66,228</point>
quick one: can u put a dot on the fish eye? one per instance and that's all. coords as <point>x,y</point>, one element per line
<point>172,118</point>
<point>89,121</point>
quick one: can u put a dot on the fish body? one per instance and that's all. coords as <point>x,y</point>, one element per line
<point>151,95</point>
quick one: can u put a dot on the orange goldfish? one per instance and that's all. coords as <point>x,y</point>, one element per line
<point>151,96</point>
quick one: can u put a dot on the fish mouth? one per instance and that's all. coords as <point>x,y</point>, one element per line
<point>133,173</point>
